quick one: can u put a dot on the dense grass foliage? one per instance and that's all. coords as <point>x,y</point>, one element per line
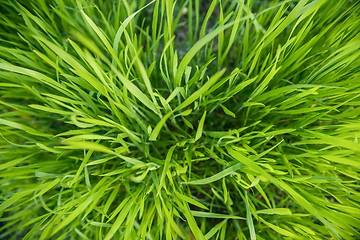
<point>179,119</point>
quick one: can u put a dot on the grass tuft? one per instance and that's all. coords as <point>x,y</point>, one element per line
<point>179,119</point>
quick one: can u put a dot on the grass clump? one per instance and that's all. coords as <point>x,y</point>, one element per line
<point>179,119</point>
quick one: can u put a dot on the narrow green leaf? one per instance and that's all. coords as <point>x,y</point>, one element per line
<point>249,219</point>
<point>195,49</point>
<point>165,168</point>
<point>22,127</point>
<point>216,176</point>
<point>74,214</point>
<point>200,91</point>
<point>277,211</point>
<point>154,134</point>
<point>190,200</point>
<point>214,215</point>
<point>199,131</point>
<point>227,111</point>
<point>119,220</point>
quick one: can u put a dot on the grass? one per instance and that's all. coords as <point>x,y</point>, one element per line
<point>179,119</point>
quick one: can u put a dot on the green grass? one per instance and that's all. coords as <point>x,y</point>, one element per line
<point>179,119</point>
